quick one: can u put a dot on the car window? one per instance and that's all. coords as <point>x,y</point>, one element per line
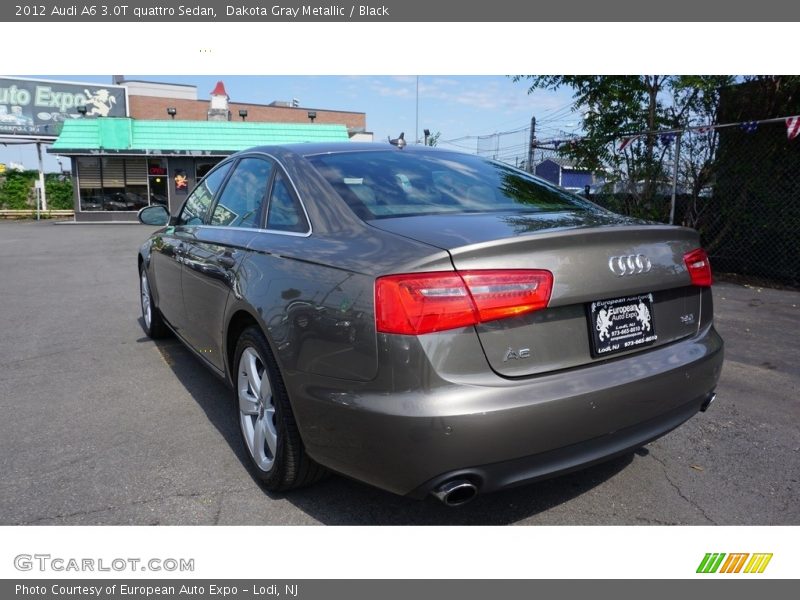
<point>285,212</point>
<point>240,203</point>
<point>196,206</point>
<point>382,184</point>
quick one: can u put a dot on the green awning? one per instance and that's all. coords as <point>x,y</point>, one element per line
<point>132,136</point>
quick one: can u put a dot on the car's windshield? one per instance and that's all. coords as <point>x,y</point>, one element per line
<point>381,184</point>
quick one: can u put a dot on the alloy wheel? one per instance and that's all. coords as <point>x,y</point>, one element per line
<point>257,409</point>
<point>147,310</point>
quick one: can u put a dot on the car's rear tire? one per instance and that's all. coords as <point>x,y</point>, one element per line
<point>266,422</point>
<point>154,325</point>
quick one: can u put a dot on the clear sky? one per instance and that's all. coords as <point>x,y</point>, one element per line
<point>460,107</point>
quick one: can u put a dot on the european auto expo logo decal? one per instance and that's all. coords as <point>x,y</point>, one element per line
<point>734,562</point>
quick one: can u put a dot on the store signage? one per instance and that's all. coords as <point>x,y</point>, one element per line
<point>37,108</point>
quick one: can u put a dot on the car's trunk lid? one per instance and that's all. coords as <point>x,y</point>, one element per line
<point>623,266</point>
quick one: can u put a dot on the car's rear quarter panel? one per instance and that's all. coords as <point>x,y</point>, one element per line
<point>315,295</point>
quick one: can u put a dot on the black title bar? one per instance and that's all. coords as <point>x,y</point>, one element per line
<point>403,11</point>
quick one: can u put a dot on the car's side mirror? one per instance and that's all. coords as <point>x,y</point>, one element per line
<point>154,215</point>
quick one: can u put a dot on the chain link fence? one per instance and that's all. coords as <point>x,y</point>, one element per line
<point>739,185</point>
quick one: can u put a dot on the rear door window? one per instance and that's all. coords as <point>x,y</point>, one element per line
<point>241,202</point>
<point>285,211</point>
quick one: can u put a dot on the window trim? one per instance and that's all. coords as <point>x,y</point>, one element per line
<point>263,221</point>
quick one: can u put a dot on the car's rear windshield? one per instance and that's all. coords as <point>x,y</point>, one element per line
<point>381,184</point>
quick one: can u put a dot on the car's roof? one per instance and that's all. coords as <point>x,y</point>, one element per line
<point>311,149</point>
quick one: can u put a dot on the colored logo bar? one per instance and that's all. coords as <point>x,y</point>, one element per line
<point>736,562</point>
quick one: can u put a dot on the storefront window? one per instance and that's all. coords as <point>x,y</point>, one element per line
<point>202,167</point>
<point>90,181</point>
<point>112,184</point>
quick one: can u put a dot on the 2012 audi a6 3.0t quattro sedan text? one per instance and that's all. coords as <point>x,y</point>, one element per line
<point>426,321</point>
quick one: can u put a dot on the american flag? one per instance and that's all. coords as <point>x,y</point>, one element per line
<point>705,129</point>
<point>792,127</point>
<point>749,126</point>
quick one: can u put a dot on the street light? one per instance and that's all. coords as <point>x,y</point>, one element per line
<point>81,110</point>
<point>427,133</point>
<point>172,111</point>
<point>243,113</point>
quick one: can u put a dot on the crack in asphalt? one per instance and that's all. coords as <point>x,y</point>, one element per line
<point>651,521</point>
<point>191,495</point>
<point>679,491</point>
<point>38,356</point>
<point>220,498</point>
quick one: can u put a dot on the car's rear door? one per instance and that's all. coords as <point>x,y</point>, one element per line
<point>215,252</point>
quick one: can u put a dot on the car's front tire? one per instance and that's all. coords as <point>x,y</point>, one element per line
<point>154,325</point>
<point>266,423</point>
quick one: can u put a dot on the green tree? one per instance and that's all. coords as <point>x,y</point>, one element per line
<point>433,139</point>
<point>59,192</point>
<point>613,106</point>
<point>17,191</point>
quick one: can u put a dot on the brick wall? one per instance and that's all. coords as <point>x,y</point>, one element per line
<point>149,107</point>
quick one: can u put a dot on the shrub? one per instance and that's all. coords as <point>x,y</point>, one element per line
<point>59,192</point>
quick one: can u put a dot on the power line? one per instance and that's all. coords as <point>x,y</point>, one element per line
<point>706,128</point>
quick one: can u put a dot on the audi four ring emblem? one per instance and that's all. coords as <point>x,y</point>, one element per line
<point>631,264</point>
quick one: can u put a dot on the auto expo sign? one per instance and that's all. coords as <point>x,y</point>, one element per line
<point>37,108</point>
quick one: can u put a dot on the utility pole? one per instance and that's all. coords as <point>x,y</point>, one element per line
<point>416,120</point>
<point>675,178</point>
<point>532,145</point>
<point>41,175</point>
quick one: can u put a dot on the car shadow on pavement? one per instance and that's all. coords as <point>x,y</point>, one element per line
<point>337,500</point>
<point>210,393</point>
<point>340,501</point>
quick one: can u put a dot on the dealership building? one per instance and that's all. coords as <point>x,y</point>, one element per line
<point>137,143</point>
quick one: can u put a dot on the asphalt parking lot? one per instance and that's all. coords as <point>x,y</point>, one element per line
<point>103,426</point>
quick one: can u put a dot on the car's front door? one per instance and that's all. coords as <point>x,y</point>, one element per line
<point>169,250</point>
<point>165,259</point>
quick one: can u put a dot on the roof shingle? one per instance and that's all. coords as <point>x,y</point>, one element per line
<point>123,134</point>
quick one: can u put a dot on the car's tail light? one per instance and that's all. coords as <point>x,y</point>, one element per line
<point>426,302</point>
<point>698,266</point>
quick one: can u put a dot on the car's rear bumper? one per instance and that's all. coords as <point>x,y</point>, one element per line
<point>503,432</point>
<point>544,465</point>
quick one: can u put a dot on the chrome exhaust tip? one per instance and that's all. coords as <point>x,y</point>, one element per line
<point>708,402</point>
<point>455,492</point>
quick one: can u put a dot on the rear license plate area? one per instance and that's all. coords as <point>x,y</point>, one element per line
<point>621,324</point>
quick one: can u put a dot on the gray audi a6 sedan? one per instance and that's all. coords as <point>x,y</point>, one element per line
<point>426,321</point>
